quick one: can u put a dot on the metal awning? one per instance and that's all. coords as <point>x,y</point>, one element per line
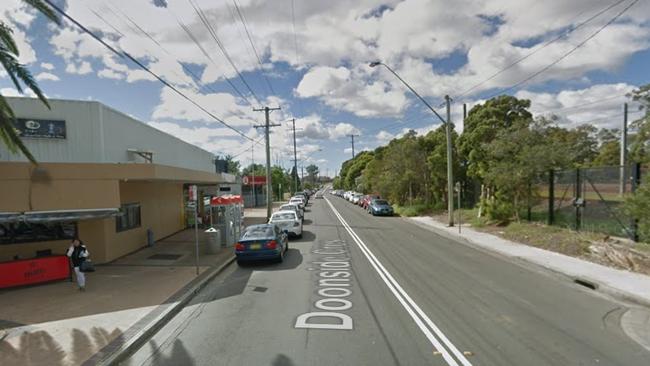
<point>58,215</point>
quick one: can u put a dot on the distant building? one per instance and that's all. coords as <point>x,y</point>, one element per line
<point>102,175</point>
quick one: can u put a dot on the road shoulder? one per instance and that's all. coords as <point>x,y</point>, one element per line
<point>624,285</point>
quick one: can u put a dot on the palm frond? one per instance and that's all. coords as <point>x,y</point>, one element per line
<point>18,71</point>
<point>7,38</point>
<point>45,10</point>
<point>8,131</point>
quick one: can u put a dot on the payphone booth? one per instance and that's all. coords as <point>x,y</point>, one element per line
<point>227,217</point>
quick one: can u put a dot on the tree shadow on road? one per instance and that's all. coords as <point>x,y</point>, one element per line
<point>282,360</point>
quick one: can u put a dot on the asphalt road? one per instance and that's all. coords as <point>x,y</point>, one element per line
<point>394,294</point>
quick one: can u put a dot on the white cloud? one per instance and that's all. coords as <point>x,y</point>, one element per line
<point>600,105</point>
<point>343,88</point>
<point>47,76</point>
<point>82,69</point>
<point>110,74</point>
<point>47,66</point>
<point>384,137</point>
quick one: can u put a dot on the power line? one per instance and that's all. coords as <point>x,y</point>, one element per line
<point>194,76</point>
<point>293,22</point>
<point>221,46</point>
<point>250,40</point>
<point>566,54</point>
<point>127,56</point>
<point>207,55</point>
<point>548,43</point>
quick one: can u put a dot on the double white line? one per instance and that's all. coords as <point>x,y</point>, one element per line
<point>425,324</point>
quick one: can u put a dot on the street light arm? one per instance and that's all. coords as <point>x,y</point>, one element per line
<point>411,89</point>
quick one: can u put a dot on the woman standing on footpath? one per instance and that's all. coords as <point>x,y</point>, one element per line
<point>78,254</point>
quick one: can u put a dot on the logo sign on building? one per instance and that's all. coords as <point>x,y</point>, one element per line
<point>191,193</point>
<point>257,180</point>
<point>40,128</point>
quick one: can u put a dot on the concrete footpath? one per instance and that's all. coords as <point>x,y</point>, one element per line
<point>622,284</point>
<point>126,300</point>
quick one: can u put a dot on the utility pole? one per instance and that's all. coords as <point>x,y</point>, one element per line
<point>252,182</point>
<point>269,188</point>
<point>464,112</point>
<point>623,151</point>
<point>450,172</point>
<point>295,159</point>
<point>352,137</point>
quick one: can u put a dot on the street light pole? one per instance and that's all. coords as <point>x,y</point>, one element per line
<point>450,171</point>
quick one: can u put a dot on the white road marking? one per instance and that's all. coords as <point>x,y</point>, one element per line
<point>406,301</point>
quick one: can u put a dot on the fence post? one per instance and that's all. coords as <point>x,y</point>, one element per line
<point>551,197</point>
<point>530,193</point>
<point>577,198</point>
<point>636,180</point>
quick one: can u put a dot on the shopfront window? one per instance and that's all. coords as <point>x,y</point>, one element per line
<point>13,233</point>
<point>129,217</point>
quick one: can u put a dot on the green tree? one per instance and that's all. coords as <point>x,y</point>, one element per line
<point>312,172</point>
<point>232,165</point>
<point>482,125</point>
<point>279,181</point>
<point>19,75</point>
<point>254,169</point>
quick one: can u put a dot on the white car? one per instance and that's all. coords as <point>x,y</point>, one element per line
<point>287,221</point>
<point>298,201</point>
<point>292,207</point>
<point>356,198</point>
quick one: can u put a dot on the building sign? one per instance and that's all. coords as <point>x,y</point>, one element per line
<point>31,271</point>
<point>257,180</point>
<point>40,128</point>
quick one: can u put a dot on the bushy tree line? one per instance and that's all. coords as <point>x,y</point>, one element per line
<point>501,152</point>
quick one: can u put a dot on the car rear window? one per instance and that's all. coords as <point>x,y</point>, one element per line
<point>283,216</point>
<point>258,232</point>
<point>288,208</point>
<point>381,202</point>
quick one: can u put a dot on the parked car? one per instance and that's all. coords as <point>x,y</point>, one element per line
<point>356,197</point>
<point>292,207</point>
<point>261,242</point>
<point>298,201</point>
<point>365,202</point>
<point>380,207</point>
<point>288,221</point>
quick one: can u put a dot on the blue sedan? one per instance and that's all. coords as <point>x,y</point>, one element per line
<point>380,207</point>
<point>262,242</point>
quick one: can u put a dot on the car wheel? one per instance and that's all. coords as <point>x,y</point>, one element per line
<point>281,257</point>
<point>240,263</point>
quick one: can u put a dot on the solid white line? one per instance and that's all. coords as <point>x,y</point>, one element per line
<point>405,300</point>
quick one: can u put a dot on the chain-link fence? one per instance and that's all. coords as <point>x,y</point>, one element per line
<point>588,199</point>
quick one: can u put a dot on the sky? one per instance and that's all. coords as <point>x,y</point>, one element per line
<point>574,59</point>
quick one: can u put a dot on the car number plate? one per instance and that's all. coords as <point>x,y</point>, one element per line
<point>255,246</point>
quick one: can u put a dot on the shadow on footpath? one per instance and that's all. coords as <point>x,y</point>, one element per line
<point>40,348</point>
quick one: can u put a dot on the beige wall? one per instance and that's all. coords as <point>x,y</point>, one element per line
<point>157,188</point>
<point>161,208</point>
<point>91,233</point>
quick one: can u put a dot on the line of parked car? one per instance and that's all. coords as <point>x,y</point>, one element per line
<point>271,240</point>
<point>371,203</point>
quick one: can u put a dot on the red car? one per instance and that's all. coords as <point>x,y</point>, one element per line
<point>365,202</point>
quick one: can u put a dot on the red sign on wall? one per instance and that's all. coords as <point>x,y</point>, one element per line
<point>258,180</point>
<point>36,270</point>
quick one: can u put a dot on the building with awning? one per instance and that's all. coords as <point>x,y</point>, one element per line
<point>102,175</point>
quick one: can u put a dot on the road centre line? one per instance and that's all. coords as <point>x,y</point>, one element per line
<point>405,300</point>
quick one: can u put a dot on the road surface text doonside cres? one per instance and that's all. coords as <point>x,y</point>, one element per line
<point>333,276</point>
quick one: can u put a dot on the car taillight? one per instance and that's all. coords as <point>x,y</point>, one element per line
<point>271,245</point>
<point>240,247</point>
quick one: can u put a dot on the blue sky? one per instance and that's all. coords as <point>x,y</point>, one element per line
<point>319,73</point>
